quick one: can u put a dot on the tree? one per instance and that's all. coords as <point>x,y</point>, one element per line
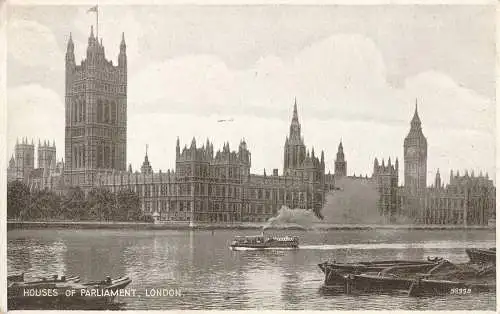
<point>101,203</point>
<point>73,205</point>
<point>18,199</point>
<point>44,205</point>
<point>127,206</point>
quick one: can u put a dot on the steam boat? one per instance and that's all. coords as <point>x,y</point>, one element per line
<point>264,242</point>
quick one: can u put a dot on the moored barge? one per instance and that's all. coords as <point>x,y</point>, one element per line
<point>335,273</point>
<point>482,256</point>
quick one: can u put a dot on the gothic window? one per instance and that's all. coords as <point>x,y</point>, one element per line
<point>106,157</point>
<point>83,156</point>
<point>99,110</point>
<point>106,112</point>
<point>99,156</point>
<point>73,111</point>
<point>112,156</point>
<point>80,111</point>
<point>113,112</point>
<point>84,110</point>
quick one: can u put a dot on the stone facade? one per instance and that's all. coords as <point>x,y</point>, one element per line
<point>465,200</point>
<point>340,162</point>
<point>386,178</point>
<point>217,187</point>
<point>48,172</point>
<point>415,157</point>
<point>96,114</point>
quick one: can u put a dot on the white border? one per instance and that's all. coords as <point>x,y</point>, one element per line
<point>3,114</point>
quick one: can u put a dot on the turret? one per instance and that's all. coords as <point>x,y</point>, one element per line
<point>91,48</point>
<point>70,52</point>
<point>12,162</point>
<point>437,182</point>
<point>177,149</point>
<point>375,166</point>
<point>122,57</point>
<point>397,164</point>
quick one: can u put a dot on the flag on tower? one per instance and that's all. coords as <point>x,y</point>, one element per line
<point>92,9</point>
<point>96,10</point>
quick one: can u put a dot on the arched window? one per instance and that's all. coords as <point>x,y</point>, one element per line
<point>106,112</point>
<point>99,156</point>
<point>84,110</point>
<point>113,156</point>
<point>99,110</point>
<point>83,156</point>
<point>73,111</point>
<point>113,112</point>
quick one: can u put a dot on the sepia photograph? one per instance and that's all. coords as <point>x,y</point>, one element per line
<point>250,157</point>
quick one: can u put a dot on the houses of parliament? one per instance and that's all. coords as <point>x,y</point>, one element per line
<point>209,186</point>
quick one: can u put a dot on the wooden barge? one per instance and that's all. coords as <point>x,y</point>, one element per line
<point>416,278</point>
<point>482,256</point>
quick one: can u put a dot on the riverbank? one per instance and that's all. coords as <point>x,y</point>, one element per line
<point>236,226</point>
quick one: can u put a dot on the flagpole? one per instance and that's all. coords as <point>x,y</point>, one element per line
<point>97,23</point>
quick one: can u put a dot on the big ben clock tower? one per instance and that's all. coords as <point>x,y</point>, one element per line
<point>415,157</point>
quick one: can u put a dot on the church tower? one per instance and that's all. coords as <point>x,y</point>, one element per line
<point>340,162</point>
<point>295,150</point>
<point>96,113</point>
<point>415,157</point>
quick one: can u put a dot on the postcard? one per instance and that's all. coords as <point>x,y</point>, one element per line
<point>250,157</point>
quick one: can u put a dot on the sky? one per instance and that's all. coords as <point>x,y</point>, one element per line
<point>356,72</point>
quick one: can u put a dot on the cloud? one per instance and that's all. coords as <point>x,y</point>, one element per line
<point>35,112</point>
<point>340,83</point>
<point>33,44</point>
<point>342,77</point>
<point>449,105</point>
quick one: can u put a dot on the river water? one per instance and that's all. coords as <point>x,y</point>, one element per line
<point>199,266</point>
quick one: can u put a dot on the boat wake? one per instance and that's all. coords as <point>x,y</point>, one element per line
<point>423,245</point>
<point>261,249</point>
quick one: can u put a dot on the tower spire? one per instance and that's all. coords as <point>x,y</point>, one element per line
<point>415,122</point>
<point>70,43</point>
<point>295,114</point>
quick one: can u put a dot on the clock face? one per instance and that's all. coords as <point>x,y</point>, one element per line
<point>411,151</point>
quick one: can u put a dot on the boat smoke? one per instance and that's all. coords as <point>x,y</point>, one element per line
<point>293,218</point>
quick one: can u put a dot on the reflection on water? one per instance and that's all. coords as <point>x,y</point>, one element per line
<point>210,276</point>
